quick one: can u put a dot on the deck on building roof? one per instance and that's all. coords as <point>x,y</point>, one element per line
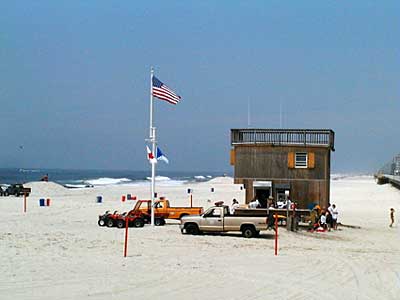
<point>284,137</point>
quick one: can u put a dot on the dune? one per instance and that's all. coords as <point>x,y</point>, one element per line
<point>45,188</point>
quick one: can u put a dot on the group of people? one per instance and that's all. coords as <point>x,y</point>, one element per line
<point>325,219</point>
<point>320,218</point>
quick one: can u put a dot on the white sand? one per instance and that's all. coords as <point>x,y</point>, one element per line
<point>59,252</point>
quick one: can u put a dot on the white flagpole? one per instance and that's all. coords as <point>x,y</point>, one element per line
<point>153,141</point>
<point>151,102</point>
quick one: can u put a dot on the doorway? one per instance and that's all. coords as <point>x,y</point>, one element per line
<point>262,195</point>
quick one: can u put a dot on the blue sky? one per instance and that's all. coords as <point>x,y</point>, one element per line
<point>74,79</point>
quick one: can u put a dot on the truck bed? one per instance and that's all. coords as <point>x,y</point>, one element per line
<point>184,207</point>
<point>264,212</point>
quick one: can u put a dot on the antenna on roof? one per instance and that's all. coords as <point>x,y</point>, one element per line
<point>280,114</point>
<point>248,114</point>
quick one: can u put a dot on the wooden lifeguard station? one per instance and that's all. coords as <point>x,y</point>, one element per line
<point>283,163</point>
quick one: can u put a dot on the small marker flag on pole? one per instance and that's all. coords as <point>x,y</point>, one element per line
<point>150,156</point>
<point>161,156</point>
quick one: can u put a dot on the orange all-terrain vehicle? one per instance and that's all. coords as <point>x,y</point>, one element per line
<point>137,217</point>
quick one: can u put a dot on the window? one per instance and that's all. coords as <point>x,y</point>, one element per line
<point>226,211</point>
<point>213,213</point>
<point>301,160</point>
<point>159,205</point>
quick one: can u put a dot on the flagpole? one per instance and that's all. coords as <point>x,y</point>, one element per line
<point>153,177</point>
<point>153,142</point>
<point>151,102</point>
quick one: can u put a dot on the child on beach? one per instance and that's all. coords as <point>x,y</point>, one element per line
<point>322,220</point>
<point>335,214</point>
<point>391,217</point>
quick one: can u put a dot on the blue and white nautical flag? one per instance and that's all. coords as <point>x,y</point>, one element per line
<point>161,156</point>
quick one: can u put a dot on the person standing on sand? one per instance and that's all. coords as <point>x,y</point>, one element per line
<point>335,215</point>
<point>391,217</point>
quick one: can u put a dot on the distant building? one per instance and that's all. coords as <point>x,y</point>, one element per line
<point>396,165</point>
<point>282,162</point>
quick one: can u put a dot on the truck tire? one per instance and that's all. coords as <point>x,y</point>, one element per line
<point>248,231</point>
<point>101,222</point>
<point>159,222</point>
<point>192,229</point>
<point>139,222</point>
<point>120,223</point>
<point>110,223</point>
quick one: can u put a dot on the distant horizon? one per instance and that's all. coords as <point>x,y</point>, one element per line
<point>349,172</point>
<point>101,169</point>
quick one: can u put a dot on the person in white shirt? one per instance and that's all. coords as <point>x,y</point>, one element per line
<point>235,204</point>
<point>335,214</point>
<point>254,204</point>
<point>322,221</point>
<point>330,208</point>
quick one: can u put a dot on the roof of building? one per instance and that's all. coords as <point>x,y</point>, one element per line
<point>284,137</point>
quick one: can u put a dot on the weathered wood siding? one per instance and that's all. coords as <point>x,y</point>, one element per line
<point>272,163</point>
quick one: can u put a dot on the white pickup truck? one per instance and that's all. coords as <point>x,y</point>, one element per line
<point>218,219</point>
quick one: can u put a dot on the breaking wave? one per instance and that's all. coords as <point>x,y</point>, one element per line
<point>107,181</point>
<point>160,178</point>
<point>166,181</point>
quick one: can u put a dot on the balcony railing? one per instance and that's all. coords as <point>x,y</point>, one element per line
<point>286,137</point>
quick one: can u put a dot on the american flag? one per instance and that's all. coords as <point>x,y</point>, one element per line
<point>161,91</point>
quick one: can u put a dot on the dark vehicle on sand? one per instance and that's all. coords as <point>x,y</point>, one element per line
<point>17,190</point>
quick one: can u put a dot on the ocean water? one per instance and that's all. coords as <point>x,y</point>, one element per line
<point>85,178</point>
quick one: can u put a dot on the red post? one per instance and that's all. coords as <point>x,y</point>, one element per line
<point>276,234</point>
<point>191,200</point>
<point>24,202</point>
<point>126,236</point>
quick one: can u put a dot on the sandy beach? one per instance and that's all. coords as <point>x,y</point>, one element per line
<point>59,252</point>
